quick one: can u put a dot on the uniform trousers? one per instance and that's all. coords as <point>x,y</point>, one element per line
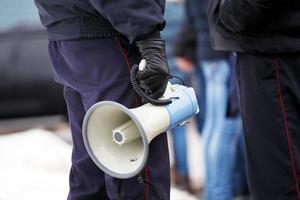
<point>269,92</point>
<point>96,70</point>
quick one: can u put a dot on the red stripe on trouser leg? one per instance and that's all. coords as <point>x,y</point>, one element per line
<point>286,127</point>
<point>136,100</point>
<point>127,63</point>
<point>147,186</point>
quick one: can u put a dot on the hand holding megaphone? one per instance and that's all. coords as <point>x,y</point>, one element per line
<point>117,138</point>
<point>154,76</point>
<point>142,90</point>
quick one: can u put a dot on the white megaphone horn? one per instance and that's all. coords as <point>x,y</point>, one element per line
<point>117,138</point>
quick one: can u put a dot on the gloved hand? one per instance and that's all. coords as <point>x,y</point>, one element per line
<point>154,78</point>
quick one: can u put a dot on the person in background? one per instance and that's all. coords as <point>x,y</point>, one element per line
<point>221,131</point>
<point>92,46</point>
<point>265,34</point>
<point>185,46</point>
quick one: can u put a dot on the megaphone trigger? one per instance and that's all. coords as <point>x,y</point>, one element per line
<point>142,65</point>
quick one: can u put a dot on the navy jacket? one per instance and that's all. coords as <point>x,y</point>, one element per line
<point>264,26</point>
<point>72,19</point>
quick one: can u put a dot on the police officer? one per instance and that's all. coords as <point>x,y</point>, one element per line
<point>266,36</point>
<point>92,46</point>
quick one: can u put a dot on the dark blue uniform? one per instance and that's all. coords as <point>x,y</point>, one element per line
<point>92,71</point>
<point>92,50</point>
<point>75,19</point>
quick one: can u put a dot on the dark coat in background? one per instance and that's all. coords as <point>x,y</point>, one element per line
<point>266,26</point>
<point>196,11</point>
<point>266,36</point>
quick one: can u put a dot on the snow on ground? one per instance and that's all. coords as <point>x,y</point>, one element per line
<point>181,195</point>
<point>35,164</point>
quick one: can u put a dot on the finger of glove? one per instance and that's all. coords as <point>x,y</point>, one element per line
<point>156,86</point>
<point>157,94</point>
<point>154,83</point>
<point>145,74</point>
<point>154,79</point>
<point>159,88</point>
<point>144,86</point>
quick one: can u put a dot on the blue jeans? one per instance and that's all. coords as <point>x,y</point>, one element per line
<point>220,134</point>
<point>200,87</point>
<point>222,161</point>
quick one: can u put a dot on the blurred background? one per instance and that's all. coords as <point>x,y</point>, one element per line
<point>27,88</point>
<point>35,140</point>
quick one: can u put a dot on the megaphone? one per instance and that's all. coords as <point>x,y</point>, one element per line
<point>117,138</point>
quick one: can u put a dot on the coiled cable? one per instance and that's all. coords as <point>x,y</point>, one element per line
<point>141,93</point>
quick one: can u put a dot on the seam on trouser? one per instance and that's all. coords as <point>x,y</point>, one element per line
<point>129,69</point>
<point>286,126</point>
<point>147,186</point>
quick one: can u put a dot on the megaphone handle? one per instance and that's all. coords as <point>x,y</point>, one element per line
<point>141,93</point>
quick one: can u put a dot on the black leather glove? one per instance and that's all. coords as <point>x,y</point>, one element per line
<point>154,78</point>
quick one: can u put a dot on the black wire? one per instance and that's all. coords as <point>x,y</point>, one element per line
<point>173,76</point>
<point>141,93</point>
